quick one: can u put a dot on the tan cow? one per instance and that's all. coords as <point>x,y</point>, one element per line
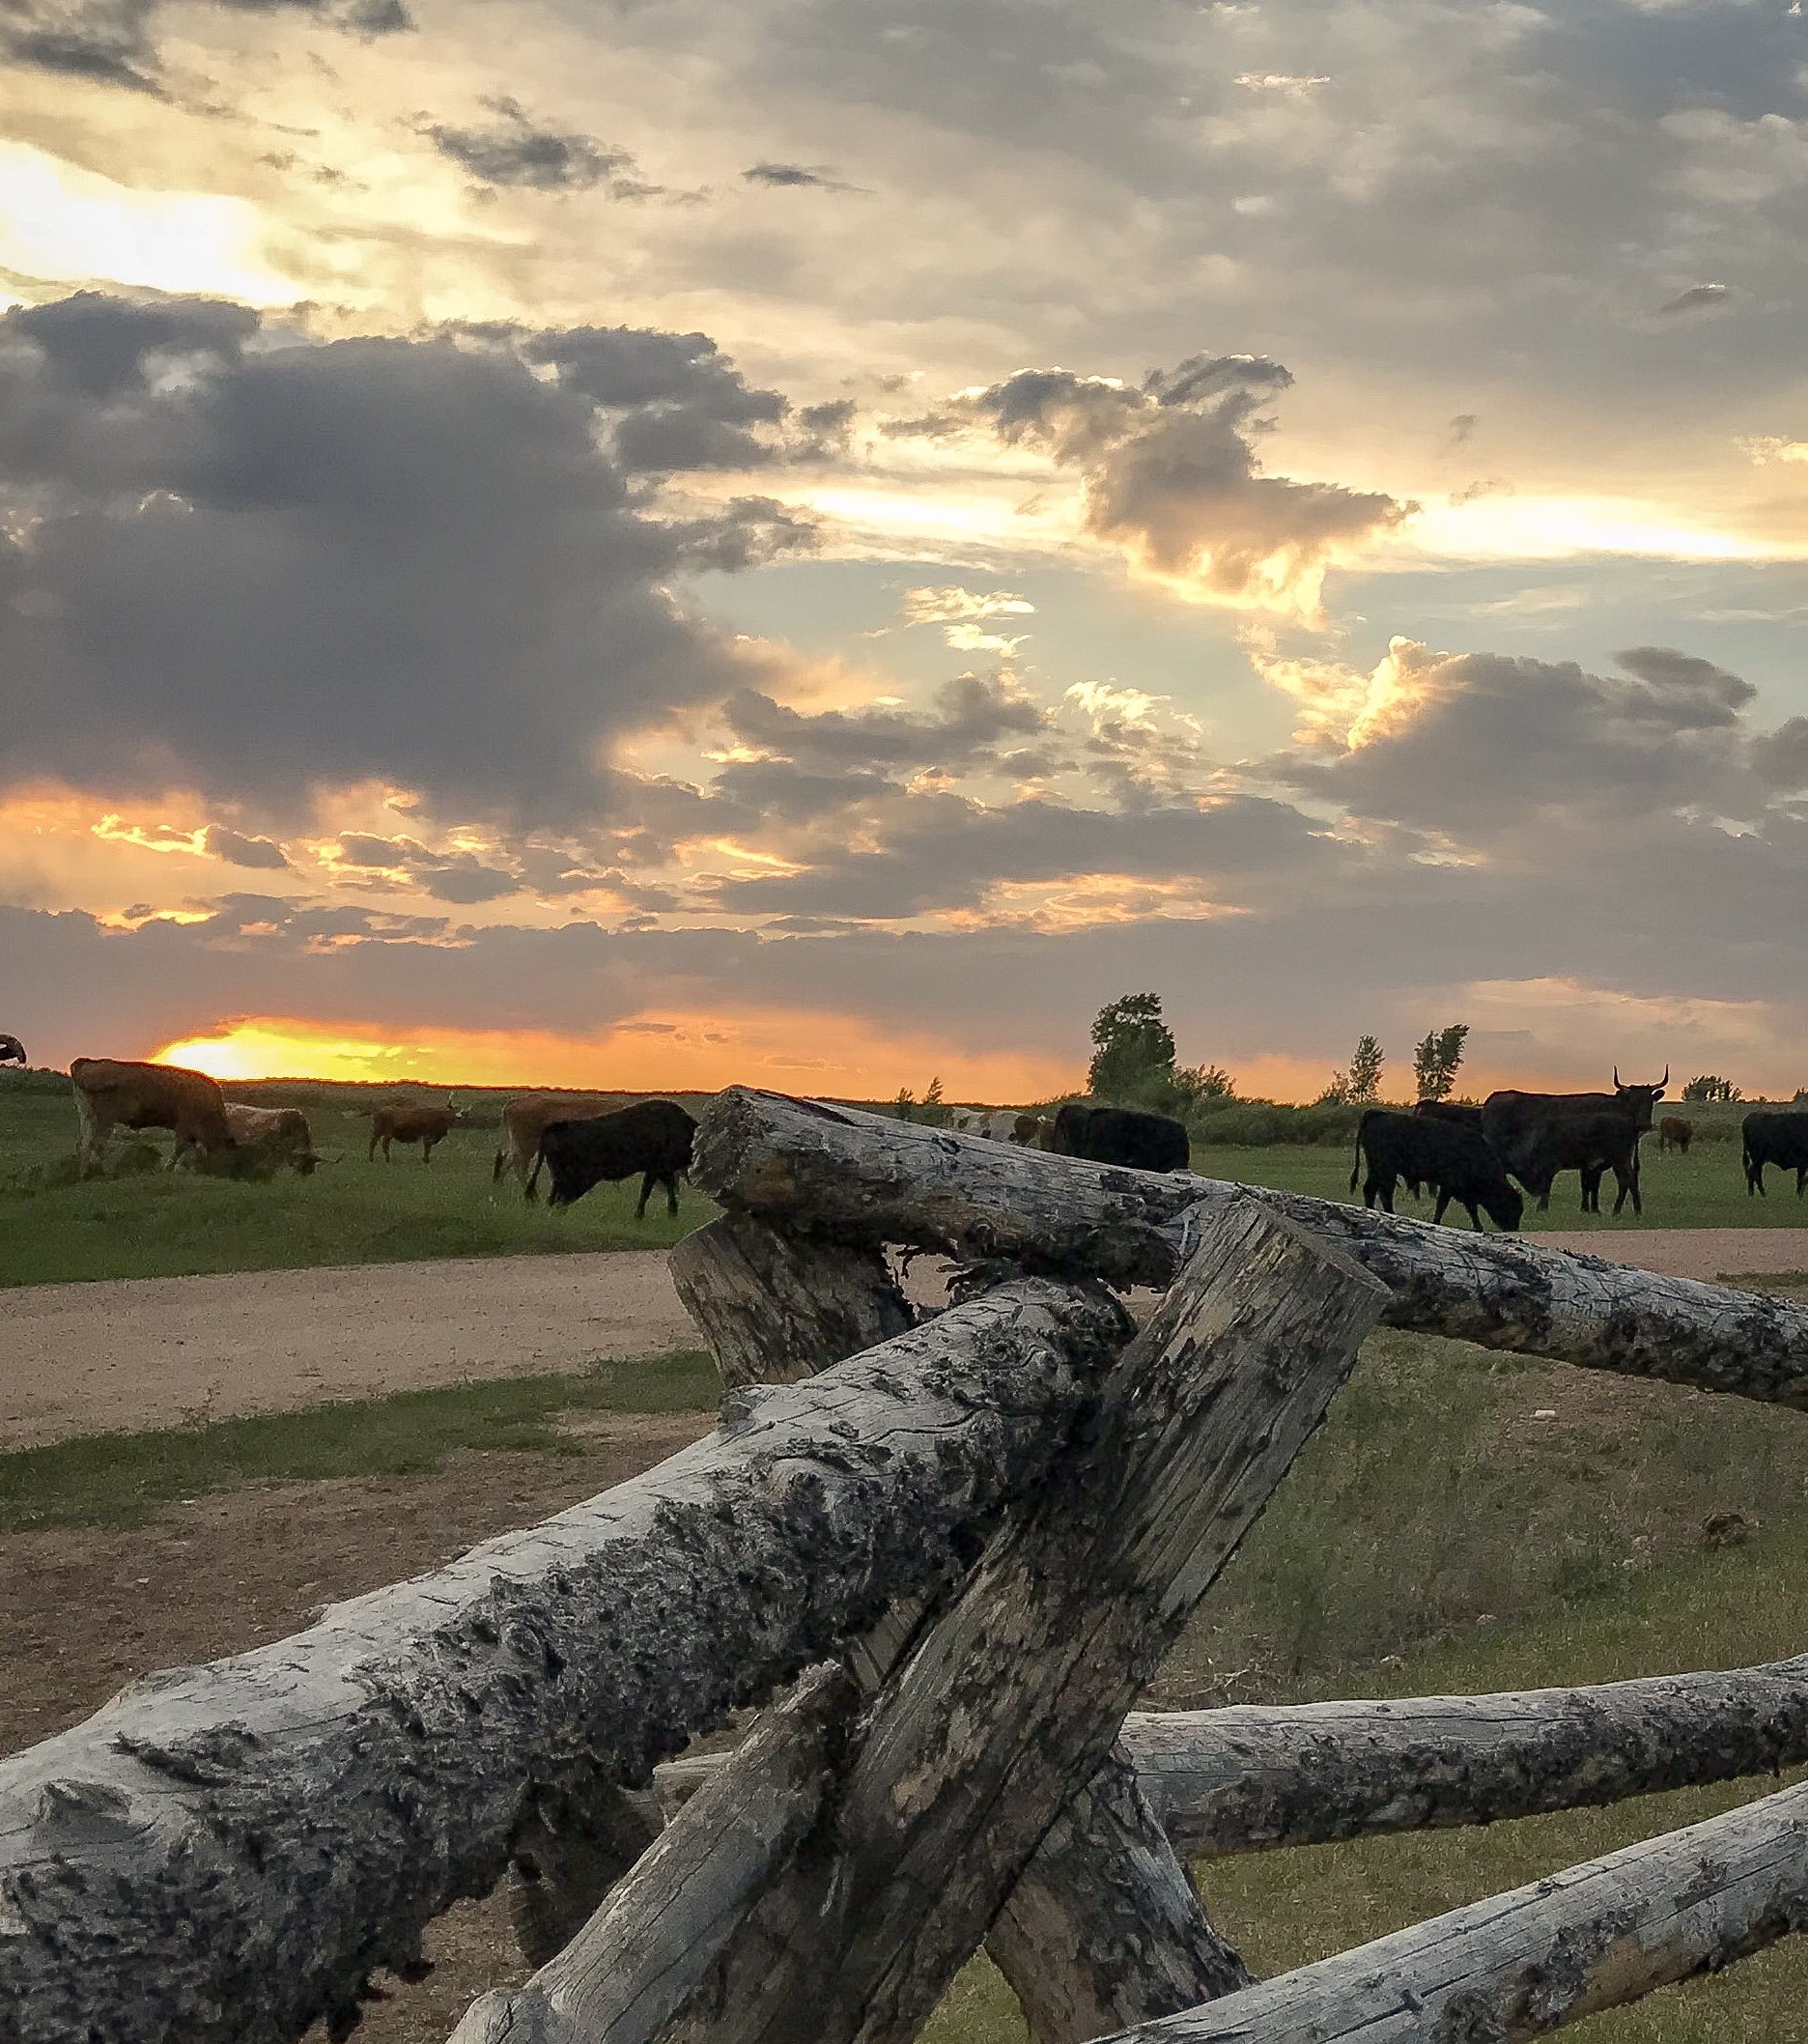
<point>425,1126</point>
<point>525,1119</point>
<point>117,1092</point>
<point>272,1136</point>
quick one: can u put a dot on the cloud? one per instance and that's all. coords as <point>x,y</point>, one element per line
<point>290,567</point>
<point>963,615</point>
<point>796,177</point>
<point>112,41</point>
<point>514,150</point>
<point>1170,473</point>
<point>237,849</point>
<point>1479,746</point>
<point>1698,297</point>
<point>972,717</point>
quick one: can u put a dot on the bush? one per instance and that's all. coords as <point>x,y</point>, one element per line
<point>1260,1125</point>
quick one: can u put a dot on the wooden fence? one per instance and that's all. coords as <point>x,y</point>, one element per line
<point>947,1566</point>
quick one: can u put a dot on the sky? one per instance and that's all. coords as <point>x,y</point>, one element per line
<point>661,542</point>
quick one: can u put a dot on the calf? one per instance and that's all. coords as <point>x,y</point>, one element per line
<point>425,1126</point>
<point>1781,1140</point>
<point>1458,1161</point>
<point>120,1092</point>
<point>1120,1135</point>
<point>272,1136</point>
<point>652,1137</point>
<point>1675,1133</point>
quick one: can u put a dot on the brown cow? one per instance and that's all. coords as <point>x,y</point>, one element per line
<point>116,1093</point>
<point>525,1119</point>
<point>1675,1133</point>
<point>272,1136</point>
<point>425,1126</point>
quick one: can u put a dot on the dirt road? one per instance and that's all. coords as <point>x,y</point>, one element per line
<point>157,1351</point>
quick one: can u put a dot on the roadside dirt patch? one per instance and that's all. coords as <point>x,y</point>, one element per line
<point>131,1353</point>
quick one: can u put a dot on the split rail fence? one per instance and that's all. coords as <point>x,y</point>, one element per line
<point>944,1554</point>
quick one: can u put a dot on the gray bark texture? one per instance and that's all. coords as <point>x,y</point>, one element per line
<point>1006,1705</point>
<point>774,1309</point>
<point>580,1841</point>
<point>857,1178</point>
<point>1242,1779</point>
<point>227,1853</point>
<point>1530,1961</point>
<point>1103,1928</point>
<point>1252,1777</point>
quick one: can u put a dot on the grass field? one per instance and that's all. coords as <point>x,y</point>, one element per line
<point>165,1224</point>
<point>154,1224</point>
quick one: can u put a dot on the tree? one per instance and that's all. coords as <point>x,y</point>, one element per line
<point>1204,1082</point>
<point>1435,1060</point>
<point>1710,1086</point>
<point>1361,1085</point>
<point>1133,1057</point>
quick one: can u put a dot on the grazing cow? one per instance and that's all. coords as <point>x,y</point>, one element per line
<point>118,1093</point>
<point>1454,1112</point>
<point>1456,1160</point>
<point>1516,1122</point>
<point>272,1136</point>
<point>1675,1133</point>
<point>1590,1143</point>
<point>425,1126</point>
<point>11,1051</point>
<point>522,1123</point>
<point>1120,1135</point>
<point>652,1137</point>
<point>1781,1140</point>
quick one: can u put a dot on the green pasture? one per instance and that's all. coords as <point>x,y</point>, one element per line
<point>153,1223</point>
<point>143,1222</point>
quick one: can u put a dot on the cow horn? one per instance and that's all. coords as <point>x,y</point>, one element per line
<point>1665,1080</point>
<point>1616,1078</point>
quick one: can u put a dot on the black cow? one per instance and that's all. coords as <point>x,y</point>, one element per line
<point>1454,1112</point>
<point>11,1051</point>
<point>1590,1143</point>
<point>1120,1135</point>
<point>652,1137</point>
<point>1457,1162</point>
<point>1781,1140</point>
<point>1516,1122</point>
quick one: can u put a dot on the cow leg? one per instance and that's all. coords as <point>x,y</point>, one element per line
<point>646,1193</point>
<point>94,1126</point>
<point>671,1197</point>
<point>1801,1179</point>
<point>1443,1202</point>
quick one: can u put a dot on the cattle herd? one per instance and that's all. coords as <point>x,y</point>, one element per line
<point>1457,1152</point>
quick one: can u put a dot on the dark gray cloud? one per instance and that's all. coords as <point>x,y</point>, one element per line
<point>1699,297</point>
<point>513,148</point>
<point>297,566</point>
<point>796,177</point>
<point>1492,744</point>
<point>237,849</point>
<point>113,41</point>
<point>676,402</point>
<point>972,715</point>
<point>1171,470</point>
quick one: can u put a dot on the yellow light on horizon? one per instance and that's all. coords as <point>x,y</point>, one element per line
<point>69,225</point>
<point>1564,527</point>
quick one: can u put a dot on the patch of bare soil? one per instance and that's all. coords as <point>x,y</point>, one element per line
<point>84,1612</point>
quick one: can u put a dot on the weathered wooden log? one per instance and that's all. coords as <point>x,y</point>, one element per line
<point>860,1177</point>
<point>1249,1778</point>
<point>226,1853</point>
<point>581,1839</point>
<point>655,1940</point>
<point>1008,1702</point>
<point>775,1309</point>
<point>1252,1778</point>
<point>1103,1928</point>
<point>1528,1962</point>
